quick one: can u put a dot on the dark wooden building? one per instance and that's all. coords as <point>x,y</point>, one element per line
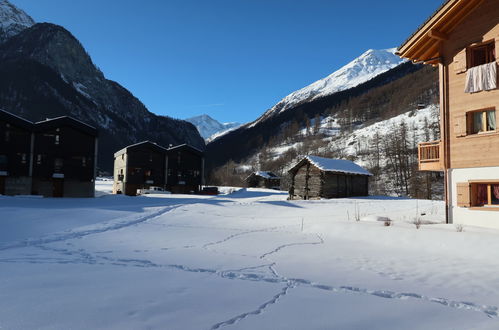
<point>52,158</point>
<point>16,136</point>
<point>143,165</point>
<point>263,179</point>
<point>185,169</point>
<point>139,166</point>
<point>317,177</point>
<point>64,158</point>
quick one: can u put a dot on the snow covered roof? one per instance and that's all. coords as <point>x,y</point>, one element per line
<point>335,165</point>
<point>266,175</point>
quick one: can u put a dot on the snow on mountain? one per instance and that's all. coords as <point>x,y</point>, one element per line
<point>12,20</point>
<point>209,127</point>
<point>364,68</point>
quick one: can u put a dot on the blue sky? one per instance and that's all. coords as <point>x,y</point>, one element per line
<point>231,59</point>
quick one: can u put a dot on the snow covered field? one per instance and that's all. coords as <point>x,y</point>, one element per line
<point>247,260</point>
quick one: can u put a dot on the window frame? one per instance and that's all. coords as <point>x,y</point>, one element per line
<point>490,54</point>
<point>474,191</point>
<point>470,121</point>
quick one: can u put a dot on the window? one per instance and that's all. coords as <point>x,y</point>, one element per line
<point>3,160</point>
<point>7,132</point>
<point>57,140</point>
<point>23,158</point>
<point>38,159</point>
<point>485,194</point>
<point>148,173</point>
<point>481,121</point>
<point>84,161</point>
<point>58,163</point>
<point>481,54</point>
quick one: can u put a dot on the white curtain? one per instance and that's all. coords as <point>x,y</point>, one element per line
<point>481,78</point>
<point>491,119</point>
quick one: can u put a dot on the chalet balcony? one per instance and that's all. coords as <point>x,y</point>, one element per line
<point>430,156</point>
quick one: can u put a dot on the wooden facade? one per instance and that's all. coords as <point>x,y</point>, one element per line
<point>146,164</point>
<point>311,179</point>
<point>185,169</point>
<point>53,158</point>
<point>263,179</point>
<point>462,38</point>
<point>15,154</point>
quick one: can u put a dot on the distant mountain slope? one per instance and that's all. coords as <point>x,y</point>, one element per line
<point>208,126</point>
<point>46,72</point>
<point>391,93</point>
<point>12,20</point>
<point>364,68</point>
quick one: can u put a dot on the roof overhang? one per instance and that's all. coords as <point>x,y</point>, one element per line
<point>425,44</point>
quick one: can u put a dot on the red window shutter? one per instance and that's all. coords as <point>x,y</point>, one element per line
<point>463,194</point>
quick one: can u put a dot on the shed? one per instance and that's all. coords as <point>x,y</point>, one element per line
<point>318,177</point>
<point>263,179</point>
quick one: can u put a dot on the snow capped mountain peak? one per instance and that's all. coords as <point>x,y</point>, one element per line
<point>12,20</point>
<point>365,67</point>
<point>209,127</point>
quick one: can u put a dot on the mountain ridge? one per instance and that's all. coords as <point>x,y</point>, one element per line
<point>209,127</point>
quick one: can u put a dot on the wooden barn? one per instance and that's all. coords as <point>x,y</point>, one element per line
<point>185,169</point>
<point>64,158</point>
<point>15,154</point>
<point>263,179</point>
<point>139,166</point>
<point>317,177</point>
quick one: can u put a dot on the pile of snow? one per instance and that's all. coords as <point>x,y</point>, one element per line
<point>248,260</point>
<point>364,68</point>
<point>337,165</point>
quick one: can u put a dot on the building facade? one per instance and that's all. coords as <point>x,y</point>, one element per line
<point>139,166</point>
<point>53,158</point>
<point>146,164</point>
<point>64,158</point>
<point>16,140</point>
<point>185,169</point>
<point>462,39</point>
<point>317,177</point>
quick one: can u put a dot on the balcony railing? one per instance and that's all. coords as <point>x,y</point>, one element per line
<point>430,158</point>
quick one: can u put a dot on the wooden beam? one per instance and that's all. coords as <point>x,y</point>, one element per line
<point>435,34</point>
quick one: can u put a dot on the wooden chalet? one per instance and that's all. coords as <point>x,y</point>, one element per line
<point>15,154</point>
<point>146,164</point>
<point>317,177</point>
<point>462,39</point>
<point>185,169</point>
<point>139,166</point>
<point>263,179</point>
<point>64,158</point>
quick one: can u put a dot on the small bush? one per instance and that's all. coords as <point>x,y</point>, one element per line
<point>417,222</point>
<point>387,223</point>
<point>459,227</point>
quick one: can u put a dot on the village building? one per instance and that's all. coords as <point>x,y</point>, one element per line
<point>185,169</point>
<point>64,158</point>
<point>317,177</point>
<point>263,179</point>
<point>53,158</point>
<point>139,166</point>
<point>15,154</point>
<point>462,39</point>
<point>146,164</point>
